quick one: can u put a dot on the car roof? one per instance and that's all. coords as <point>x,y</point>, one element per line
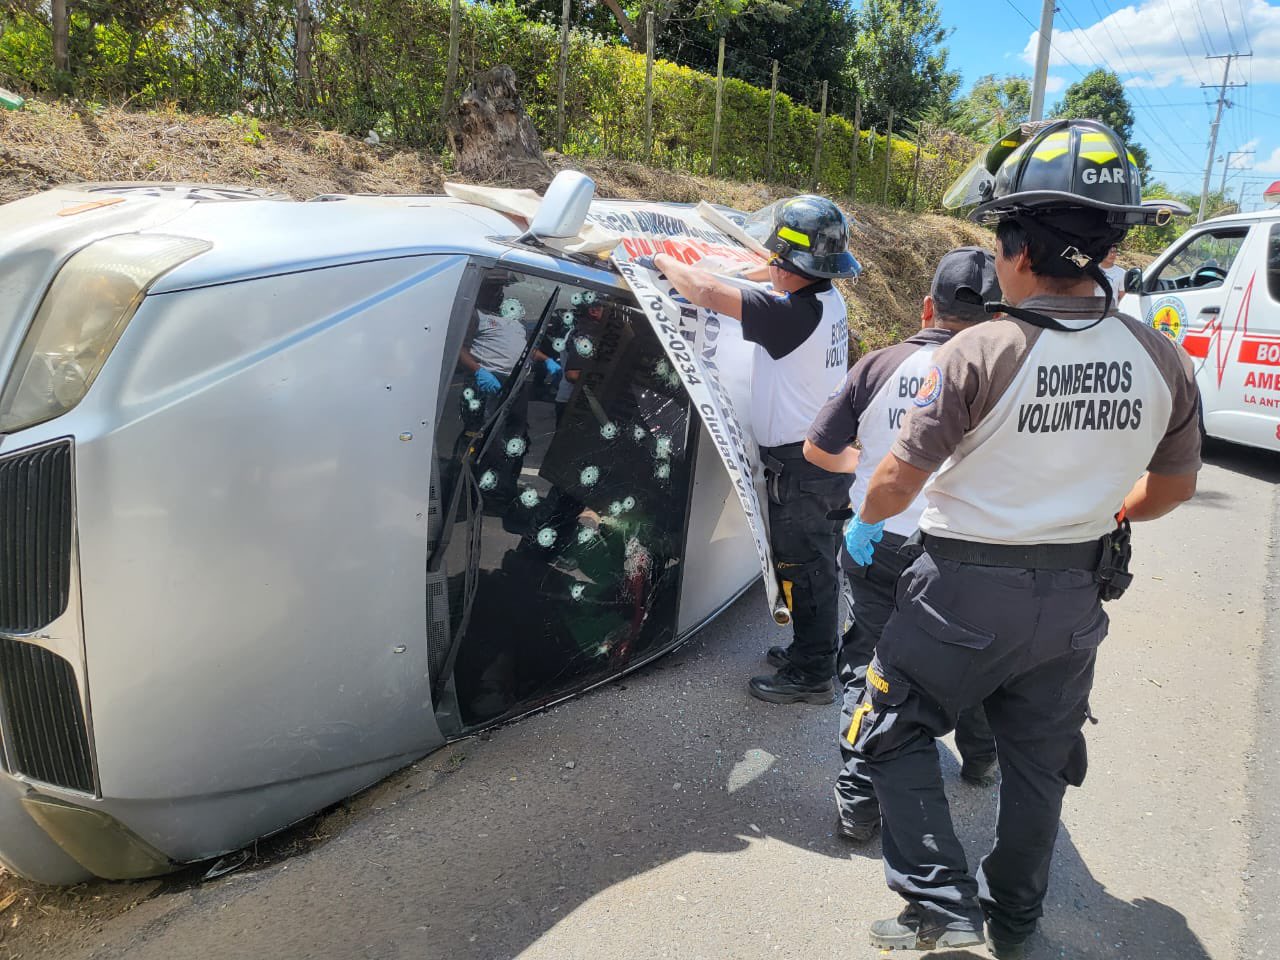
<point>259,238</point>
<point>255,236</point>
<point>1271,213</point>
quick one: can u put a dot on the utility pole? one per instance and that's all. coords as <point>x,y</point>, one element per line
<point>1042,61</point>
<point>1217,118</point>
<point>1222,187</point>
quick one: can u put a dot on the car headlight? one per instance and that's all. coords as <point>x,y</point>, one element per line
<point>83,314</point>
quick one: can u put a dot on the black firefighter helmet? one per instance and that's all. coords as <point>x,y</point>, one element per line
<point>811,236</point>
<point>1041,169</point>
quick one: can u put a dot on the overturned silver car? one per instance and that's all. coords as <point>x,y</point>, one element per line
<point>268,532</point>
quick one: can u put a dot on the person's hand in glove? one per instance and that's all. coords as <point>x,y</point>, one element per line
<point>860,539</point>
<point>647,263</point>
<point>553,368</point>
<point>488,381</point>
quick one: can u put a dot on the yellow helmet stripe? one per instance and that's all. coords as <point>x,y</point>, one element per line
<point>1052,147</point>
<point>793,236</point>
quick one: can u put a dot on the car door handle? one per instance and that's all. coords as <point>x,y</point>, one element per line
<point>1214,310</point>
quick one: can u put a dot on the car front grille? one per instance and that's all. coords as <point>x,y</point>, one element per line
<point>44,720</point>
<point>35,537</point>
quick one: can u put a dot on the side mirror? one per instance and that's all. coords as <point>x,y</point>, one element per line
<point>1133,280</point>
<point>564,207</point>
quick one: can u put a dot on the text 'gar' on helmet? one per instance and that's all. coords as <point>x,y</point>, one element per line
<point>810,235</point>
<point>1042,168</point>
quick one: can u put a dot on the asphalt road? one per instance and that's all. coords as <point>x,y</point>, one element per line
<point>671,815</point>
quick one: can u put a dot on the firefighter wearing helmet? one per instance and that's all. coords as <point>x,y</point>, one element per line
<point>1032,427</point>
<point>798,323</point>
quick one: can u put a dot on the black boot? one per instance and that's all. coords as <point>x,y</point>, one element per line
<point>979,772</point>
<point>787,687</point>
<point>907,931</point>
<point>778,657</point>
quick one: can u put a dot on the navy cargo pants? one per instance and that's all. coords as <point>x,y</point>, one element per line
<point>874,588</point>
<point>1024,643</point>
<point>807,510</point>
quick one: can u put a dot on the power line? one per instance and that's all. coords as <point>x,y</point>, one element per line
<point>1195,68</point>
<point>1203,26</point>
<point>1040,33</point>
<point>1227,23</point>
<point>1244,25</point>
<point>1135,92</point>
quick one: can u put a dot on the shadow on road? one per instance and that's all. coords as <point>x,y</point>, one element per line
<point>487,847</point>
<point>1247,461</point>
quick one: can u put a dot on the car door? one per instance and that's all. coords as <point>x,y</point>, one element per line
<point>564,497</point>
<point>1190,294</point>
<point>1250,386</point>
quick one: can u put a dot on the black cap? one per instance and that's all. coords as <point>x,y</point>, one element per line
<point>963,283</point>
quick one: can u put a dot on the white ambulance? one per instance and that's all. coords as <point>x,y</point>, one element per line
<point>1216,291</point>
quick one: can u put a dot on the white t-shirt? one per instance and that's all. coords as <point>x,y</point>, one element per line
<point>1116,276</point>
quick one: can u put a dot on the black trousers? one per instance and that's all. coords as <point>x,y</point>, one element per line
<point>1022,642</point>
<point>873,588</point>
<point>807,510</point>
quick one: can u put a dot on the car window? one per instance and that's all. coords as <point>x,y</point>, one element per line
<point>1202,262</point>
<point>570,568</point>
<point>1273,262</point>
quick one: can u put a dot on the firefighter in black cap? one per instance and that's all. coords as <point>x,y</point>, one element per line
<point>800,328</point>
<point>1033,426</point>
<point>868,410</point>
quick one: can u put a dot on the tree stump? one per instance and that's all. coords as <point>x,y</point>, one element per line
<point>492,137</point>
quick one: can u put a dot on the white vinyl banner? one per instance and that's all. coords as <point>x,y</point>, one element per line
<point>713,360</point>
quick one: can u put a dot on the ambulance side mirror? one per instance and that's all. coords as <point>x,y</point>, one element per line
<point>564,207</point>
<point>1133,280</point>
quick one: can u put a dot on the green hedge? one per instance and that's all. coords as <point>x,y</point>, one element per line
<point>381,67</point>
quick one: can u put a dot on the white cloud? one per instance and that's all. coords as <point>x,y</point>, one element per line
<point>1160,43</point>
<point>1271,164</point>
<point>1054,84</point>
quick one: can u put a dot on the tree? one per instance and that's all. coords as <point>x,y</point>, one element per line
<point>810,39</point>
<point>1100,95</point>
<point>629,16</point>
<point>993,105</point>
<point>898,61</point>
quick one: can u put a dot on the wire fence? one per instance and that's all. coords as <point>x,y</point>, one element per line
<point>398,67</point>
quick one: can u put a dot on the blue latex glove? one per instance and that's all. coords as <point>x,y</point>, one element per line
<point>646,262</point>
<point>487,381</point>
<point>860,539</point>
<point>553,368</point>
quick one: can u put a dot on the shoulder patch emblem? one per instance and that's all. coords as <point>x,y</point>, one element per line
<point>930,388</point>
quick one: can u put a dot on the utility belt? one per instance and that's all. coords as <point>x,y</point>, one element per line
<point>774,458</point>
<point>788,458</point>
<point>1108,557</point>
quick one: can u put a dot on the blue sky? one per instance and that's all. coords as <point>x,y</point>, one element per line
<point>1158,47</point>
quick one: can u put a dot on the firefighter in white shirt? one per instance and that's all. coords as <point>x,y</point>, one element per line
<point>869,409</point>
<point>1037,425</point>
<point>800,328</point>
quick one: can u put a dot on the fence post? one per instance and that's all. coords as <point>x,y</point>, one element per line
<point>921,132</point>
<point>61,61</point>
<point>888,158</point>
<point>648,88</point>
<point>773,102</point>
<point>715,130</point>
<point>817,150</point>
<point>853,154</point>
<point>304,24</point>
<point>451,70</point>
<point>564,70</point>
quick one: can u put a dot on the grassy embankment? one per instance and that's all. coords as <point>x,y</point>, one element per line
<point>47,144</point>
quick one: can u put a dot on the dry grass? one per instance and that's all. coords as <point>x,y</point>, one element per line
<point>48,144</point>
